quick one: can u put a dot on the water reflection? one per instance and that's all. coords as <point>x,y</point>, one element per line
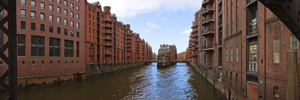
<point>178,82</point>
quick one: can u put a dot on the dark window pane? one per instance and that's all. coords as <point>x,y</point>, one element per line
<point>23,25</point>
<point>32,26</point>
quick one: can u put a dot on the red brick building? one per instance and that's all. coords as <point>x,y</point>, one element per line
<point>181,56</point>
<point>248,59</point>
<point>115,43</point>
<point>49,37</point>
<point>59,38</point>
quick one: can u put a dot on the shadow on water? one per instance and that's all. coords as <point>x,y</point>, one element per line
<point>177,82</point>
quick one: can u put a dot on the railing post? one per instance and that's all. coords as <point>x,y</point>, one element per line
<point>292,73</point>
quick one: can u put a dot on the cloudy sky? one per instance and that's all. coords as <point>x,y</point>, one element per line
<point>157,21</point>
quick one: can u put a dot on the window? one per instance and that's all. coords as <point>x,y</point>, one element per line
<point>276,91</point>
<point>237,24</point>
<point>253,58</point>
<point>32,3</point>
<point>226,55</point>
<point>23,2</point>
<point>66,12</point>
<point>77,8</point>
<point>72,14</point>
<point>42,16</point>
<point>231,55</point>
<point>66,31</point>
<point>21,45</point>
<point>42,27</point>
<point>54,47</point>
<point>58,30</point>
<point>32,26</point>
<point>236,76</point>
<point>253,19</point>
<point>37,46</point>
<point>77,34</point>
<point>58,20</point>
<point>77,16</point>
<point>77,25</point>
<point>65,3</point>
<point>50,18</point>
<point>23,25</point>
<point>23,13</point>
<point>276,50</point>
<point>77,50</point>
<point>50,29</point>
<point>72,23</point>
<point>236,54</point>
<point>230,75</point>
<point>77,1</point>
<point>65,22</point>
<point>42,5</point>
<point>58,9</point>
<point>68,48</point>
<point>32,14</point>
<point>58,1</point>
<point>72,33</point>
<point>72,5</point>
<point>293,43</point>
<point>50,7</point>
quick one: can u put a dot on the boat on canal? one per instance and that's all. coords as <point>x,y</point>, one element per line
<point>166,55</point>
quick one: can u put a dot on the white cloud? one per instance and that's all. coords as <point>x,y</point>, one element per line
<point>147,30</point>
<point>130,8</point>
<point>160,18</point>
<point>186,31</point>
<point>153,25</point>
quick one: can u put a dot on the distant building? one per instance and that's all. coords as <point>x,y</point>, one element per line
<point>182,56</point>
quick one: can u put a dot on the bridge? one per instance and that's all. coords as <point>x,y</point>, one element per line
<point>150,61</point>
<point>288,11</point>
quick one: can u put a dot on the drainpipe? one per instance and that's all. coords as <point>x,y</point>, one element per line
<point>265,64</point>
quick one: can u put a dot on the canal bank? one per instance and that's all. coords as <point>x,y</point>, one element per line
<point>214,84</point>
<point>27,83</point>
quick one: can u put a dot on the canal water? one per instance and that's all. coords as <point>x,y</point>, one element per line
<point>178,82</point>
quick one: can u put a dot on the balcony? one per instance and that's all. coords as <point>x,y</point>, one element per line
<point>128,38</point>
<point>108,26</point>
<point>206,2</point>
<point>194,31</point>
<point>209,32</point>
<point>128,34</point>
<point>108,32</point>
<point>207,11</point>
<point>195,36</point>
<point>108,53</point>
<point>108,44</point>
<point>108,38</point>
<point>194,26</point>
<point>207,21</point>
<point>128,42</point>
<point>108,20</point>
<point>128,46</point>
<point>207,48</point>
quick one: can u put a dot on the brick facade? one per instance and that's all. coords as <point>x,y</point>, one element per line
<point>249,49</point>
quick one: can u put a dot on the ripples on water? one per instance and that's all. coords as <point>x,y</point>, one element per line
<point>178,82</point>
